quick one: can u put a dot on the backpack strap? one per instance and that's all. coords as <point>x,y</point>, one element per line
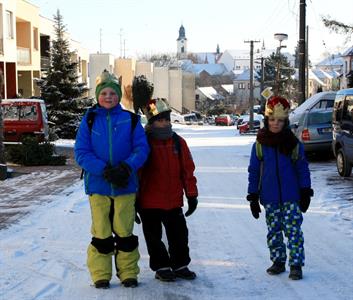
<point>259,151</point>
<point>295,153</point>
<point>90,120</point>
<point>177,145</point>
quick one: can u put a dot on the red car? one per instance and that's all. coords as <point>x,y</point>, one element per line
<point>224,120</point>
<point>24,117</point>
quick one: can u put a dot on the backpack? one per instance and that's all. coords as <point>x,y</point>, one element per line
<point>90,120</point>
<point>259,155</point>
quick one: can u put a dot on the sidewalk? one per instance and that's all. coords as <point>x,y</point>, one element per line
<point>18,197</point>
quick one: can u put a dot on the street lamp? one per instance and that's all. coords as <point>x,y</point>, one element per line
<point>279,37</point>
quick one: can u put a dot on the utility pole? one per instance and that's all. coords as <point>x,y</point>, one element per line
<point>100,40</point>
<point>307,63</point>
<point>251,98</point>
<point>3,167</point>
<point>301,85</point>
<point>121,42</point>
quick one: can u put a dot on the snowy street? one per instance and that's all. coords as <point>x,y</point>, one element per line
<point>43,256</point>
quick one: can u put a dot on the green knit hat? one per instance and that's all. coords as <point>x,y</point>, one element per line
<point>108,80</point>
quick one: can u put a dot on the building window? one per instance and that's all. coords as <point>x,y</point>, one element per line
<point>182,49</point>
<point>35,38</point>
<point>248,85</point>
<point>9,24</point>
<point>237,67</point>
<point>241,86</point>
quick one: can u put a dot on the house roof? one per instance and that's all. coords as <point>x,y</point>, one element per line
<point>212,69</point>
<point>228,87</point>
<point>332,60</point>
<point>245,75</point>
<point>210,93</point>
<point>211,57</point>
<point>348,52</point>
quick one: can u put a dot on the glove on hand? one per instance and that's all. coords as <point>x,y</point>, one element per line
<point>119,175</point>
<point>254,205</point>
<point>305,195</point>
<point>192,202</point>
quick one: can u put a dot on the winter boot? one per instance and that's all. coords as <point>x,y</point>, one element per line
<point>102,284</point>
<point>296,273</point>
<point>276,268</point>
<point>165,275</point>
<point>185,273</point>
<point>130,283</point>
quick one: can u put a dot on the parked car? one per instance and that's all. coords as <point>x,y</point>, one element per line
<point>224,120</point>
<point>176,118</point>
<point>24,117</point>
<point>311,122</point>
<point>190,119</point>
<point>210,120</point>
<point>244,126</point>
<point>342,124</point>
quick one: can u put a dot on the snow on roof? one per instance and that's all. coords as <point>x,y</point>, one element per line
<point>212,69</point>
<point>332,60</point>
<point>348,52</point>
<point>210,93</point>
<point>313,76</point>
<point>228,87</point>
<point>211,57</point>
<point>245,75</point>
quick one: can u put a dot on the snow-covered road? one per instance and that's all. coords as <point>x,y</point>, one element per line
<point>44,255</point>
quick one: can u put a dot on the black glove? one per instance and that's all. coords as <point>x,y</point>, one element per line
<point>119,175</point>
<point>305,195</point>
<point>254,204</point>
<point>192,202</point>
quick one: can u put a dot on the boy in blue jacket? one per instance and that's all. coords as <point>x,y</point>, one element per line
<point>280,178</point>
<point>110,147</point>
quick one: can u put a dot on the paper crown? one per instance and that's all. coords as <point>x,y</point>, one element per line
<point>156,106</point>
<point>277,107</point>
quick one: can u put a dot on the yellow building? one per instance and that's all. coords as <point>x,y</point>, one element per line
<point>25,39</point>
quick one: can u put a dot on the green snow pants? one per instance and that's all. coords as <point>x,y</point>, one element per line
<point>112,225</point>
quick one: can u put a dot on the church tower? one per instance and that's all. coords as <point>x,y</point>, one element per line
<point>182,43</point>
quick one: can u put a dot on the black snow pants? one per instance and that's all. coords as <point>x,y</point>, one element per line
<point>176,230</point>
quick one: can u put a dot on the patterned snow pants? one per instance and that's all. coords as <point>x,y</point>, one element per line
<point>288,218</point>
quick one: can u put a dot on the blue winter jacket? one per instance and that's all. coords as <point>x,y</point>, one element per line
<point>282,178</point>
<point>110,142</point>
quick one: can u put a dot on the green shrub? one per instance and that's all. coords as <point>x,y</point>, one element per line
<point>32,153</point>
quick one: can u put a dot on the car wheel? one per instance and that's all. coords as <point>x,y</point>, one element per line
<point>343,166</point>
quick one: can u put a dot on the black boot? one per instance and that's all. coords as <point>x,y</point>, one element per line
<point>296,273</point>
<point>102,284</point>
<point>130,282</point>
<point>165,275</point>
<point>276,268</point>
<point>185,273</point>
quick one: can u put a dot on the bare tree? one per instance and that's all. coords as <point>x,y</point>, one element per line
<point>338,27</point>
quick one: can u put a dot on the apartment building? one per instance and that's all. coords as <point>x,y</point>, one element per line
<point>25,39</point>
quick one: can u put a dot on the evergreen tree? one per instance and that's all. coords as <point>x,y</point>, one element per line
<point>60,82</point>
<point>60,87</point>
<point>285,84</point>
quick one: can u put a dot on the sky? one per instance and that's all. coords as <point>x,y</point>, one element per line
<point>150,27</point>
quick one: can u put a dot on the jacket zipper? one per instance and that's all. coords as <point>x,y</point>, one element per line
<point>110,146</point>
<point>278,178</point>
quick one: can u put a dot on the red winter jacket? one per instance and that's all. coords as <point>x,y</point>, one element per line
<point>166,175</point>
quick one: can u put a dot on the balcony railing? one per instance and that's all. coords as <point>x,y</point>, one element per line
<point>1,46</point>
<point>23,56</point>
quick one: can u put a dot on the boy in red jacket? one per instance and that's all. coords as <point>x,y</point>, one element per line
<point>167,174</point>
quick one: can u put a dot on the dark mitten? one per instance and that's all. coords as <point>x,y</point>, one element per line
<point>192,202</point>
<point>255,209</point>
<point>305,195</point>
<point>254,204</point>
<point>119,175</point>
<point>137,208</point>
